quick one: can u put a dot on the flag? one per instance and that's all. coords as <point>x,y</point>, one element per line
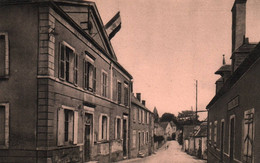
<point>113,26</point>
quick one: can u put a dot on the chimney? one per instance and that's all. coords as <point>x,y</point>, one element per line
<point>143,102</point>
<point>138,96</point>
<point>238,23</point>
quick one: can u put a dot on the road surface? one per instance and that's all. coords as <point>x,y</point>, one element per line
<point>173,154</point>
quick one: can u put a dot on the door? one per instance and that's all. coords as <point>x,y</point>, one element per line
<point>232,138</point>
<point>222,142</point>
<point>124,137</point>
<point>88,136</point>
<point>139,142</point>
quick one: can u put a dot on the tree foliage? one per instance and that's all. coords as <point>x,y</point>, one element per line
<point>156,115</point>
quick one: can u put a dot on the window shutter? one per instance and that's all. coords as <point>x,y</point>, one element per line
<point>94,79</point>
<point>76,69</point>
<point>116,128</point>
<point>61,122</point>
<point>85,74</point>
<point>62,62</point>
<point>2,55</point>
<point>71,66</point>
<point>76,122</point>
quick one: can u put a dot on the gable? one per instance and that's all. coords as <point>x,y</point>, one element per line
<point>85,16</point>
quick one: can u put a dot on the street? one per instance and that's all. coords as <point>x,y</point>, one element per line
<point>165,155</point>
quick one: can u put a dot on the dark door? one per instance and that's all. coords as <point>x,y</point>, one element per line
<point>232,137</point>
<point>222,142</point>
<point>124,138</point>
<point>87,145</point>
<point>139,145</point>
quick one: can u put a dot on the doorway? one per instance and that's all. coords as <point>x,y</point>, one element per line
<point>88,135</point>
<point>124,137</point>
<point>222,141</point>
<point>232,139</point>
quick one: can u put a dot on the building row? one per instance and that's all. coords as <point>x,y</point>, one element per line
<point>233,113</point>
<point>64,97</point>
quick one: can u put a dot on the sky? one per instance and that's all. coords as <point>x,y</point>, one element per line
<point>167,45</point>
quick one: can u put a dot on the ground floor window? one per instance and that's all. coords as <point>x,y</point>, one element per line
<point>67,126</point>
<point>103,127</point>
<point>134,139</point>
<point>118,126</point>
<point>4,125</point>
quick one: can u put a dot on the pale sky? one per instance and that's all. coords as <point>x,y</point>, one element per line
<point>168,44</point>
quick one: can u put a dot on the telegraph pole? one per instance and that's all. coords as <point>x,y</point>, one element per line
<point>196,119</point>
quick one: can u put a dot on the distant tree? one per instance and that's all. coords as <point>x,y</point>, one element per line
<point>156,115</point>
<point>168,117</point>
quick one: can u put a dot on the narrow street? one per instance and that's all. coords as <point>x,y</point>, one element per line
<point>172,154</point>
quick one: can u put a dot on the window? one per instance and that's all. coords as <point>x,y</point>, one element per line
<point>4,125</point>
<point>215,132</point>
<point>147,137</point>
<point>147,118</point>
<point>248,136</point>
<point>134,139</point>
<point>139,115</point>
<point>210,132</point>
<point>143,136</point>
<point>4,55</point>
<point>103,127</point>
<point>118,128</point>
<point>135,114</point>
<point>104,84</point>
<point>119,92</point>
<point>89,76</point>
<point>142,116</point>
<point>126,99</point>
<point>67,126</point>
<point>68,70</point>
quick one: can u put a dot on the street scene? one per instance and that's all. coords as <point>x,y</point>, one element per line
<point>170,152</point>
<point>173,81</point>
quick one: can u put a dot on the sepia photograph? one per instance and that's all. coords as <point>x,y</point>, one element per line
<point>129,81</point>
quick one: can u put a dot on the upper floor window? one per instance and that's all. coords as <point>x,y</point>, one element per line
<point>68,68</point>
<point>4,55</point>
<point>135,114</point>
<point>147,118</point>
<point>4,125</point>
<point>119,92</point>
<point>126,99</point>
<point>104,84</point>
<point>210,132</point>
<point>140,115</point>
<point>89,76</point>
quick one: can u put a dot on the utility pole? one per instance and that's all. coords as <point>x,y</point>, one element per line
<point>196,119</point>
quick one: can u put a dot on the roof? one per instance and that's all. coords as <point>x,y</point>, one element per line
<point>245,48</point>
<point>164,124</point>
<point>224,68</point>
<point>243,68</point>
<point>202,132</point>
<point>220,80</point>
<point>55,5</point>
<point>135,101</point>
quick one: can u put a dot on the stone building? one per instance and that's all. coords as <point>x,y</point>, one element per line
<point>141,128</point>
<point>64,96</point>
<point>233,113</point>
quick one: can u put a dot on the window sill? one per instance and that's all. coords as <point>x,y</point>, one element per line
<point>101,142</point>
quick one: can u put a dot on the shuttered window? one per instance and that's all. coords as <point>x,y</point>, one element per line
<point>104,84</point>
<point>89,76</point>
<point>119,92</point>
<point>4,55</point>
<point>68,65</point>
<point>67,126</point>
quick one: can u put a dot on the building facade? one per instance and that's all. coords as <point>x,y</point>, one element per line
<point>233,113</point>
<point>64,97</point>
<point>141,128</point>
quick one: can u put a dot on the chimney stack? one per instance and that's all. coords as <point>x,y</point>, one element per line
<point>143,102</point>
<point>138,96</point>
<point>238,23</point>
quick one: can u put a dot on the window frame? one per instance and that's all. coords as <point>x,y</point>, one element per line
<point>86,76</point>
<point>119,93</point>
<point>101,128</point>
<point>104,86</point>
<point>116,127</point>
<point>6,60</point>
<point>126,94</point>
<point>66,61</point>
<point>61,129</point>
<point>215,133</point>
<point>7,125</point>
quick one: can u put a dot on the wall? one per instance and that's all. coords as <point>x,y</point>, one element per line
<point>19,90</point>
